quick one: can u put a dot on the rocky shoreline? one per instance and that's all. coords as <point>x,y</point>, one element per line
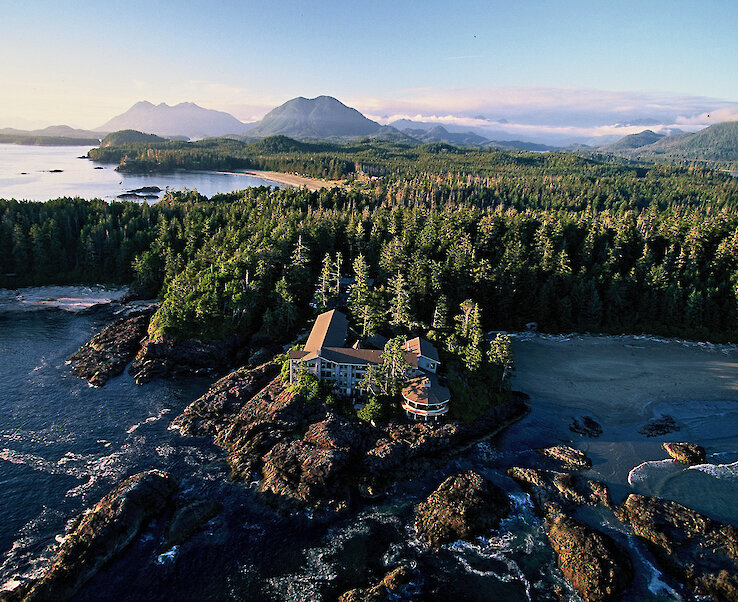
<point>125,342</point>
<point>307,455</point>
<point>109,352</point>
<point>98,535</point>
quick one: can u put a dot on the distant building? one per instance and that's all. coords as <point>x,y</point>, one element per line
<point>327,356</point>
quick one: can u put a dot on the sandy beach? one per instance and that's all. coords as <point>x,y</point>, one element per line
<point>618,375</point>
<point>68,298</point>
<point>291,179</point>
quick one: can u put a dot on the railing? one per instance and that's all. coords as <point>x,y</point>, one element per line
<point>443,410</point>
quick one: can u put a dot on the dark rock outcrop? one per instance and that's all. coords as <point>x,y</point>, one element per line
<point>273,415</point>
<point>563,489</point>
<point>297,473</point>
<point>585,425</point>
<point>568,457</point>
<point>594,564</point>
<point>109,352</point>
<point>102,532</point>
<point>384,591</point>
<point>403,450</point>
<point>659,426</point>
<point>187,519</point>
<point>163,358</point>
<point>137,293</point>
<point>306,455</point>
<point>463,506</point>
<point>208,413</point>
<point>700,552</point>
<point>686,453</point>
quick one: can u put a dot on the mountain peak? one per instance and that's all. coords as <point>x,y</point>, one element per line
<point>311,118</point>
<point>183,119</point>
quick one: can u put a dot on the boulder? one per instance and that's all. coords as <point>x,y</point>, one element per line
<point>563,489</point>
<point>109,352</point>
<point>659,426</point>
<point>102,532</point>
<point>387,589</point>
<point>597,568</point>
<point>585,425</point>
<point>464,505</point>
<point>187,519</point>
<point>686,453</point>
<point>568,457</point>
<point>698,551</point>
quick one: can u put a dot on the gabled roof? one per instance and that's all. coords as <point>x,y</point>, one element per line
<point>347,355</point>
<point>330,330</point>
<point>422,347</point>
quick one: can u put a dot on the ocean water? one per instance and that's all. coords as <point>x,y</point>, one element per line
<point>32,173</point>
<point>63,445</point>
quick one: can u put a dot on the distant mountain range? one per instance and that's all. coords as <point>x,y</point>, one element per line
<point>185,119</point>
<point>325,118</point>
<point>320,118</point>
<point>715,144</point>
<point>633,141</point>
<point>61,135</point>
<point>439,133</point>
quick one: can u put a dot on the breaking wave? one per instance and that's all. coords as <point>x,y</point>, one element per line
<point>718,471</point>
<point>640,473</point>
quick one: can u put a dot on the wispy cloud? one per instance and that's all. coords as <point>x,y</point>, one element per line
<point>555,113</point>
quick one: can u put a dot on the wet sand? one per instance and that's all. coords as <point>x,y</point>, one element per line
<point>616,376</point>
<point>291,179</point>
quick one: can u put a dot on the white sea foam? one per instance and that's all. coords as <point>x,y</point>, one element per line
<point>167,556</point>
<point>656,584</point>
<point>80,489</point>
<point>154,418</point>
<point>32,461</point>
<point>718,471</point>
<point>640,473</point>
<point>67,298</point>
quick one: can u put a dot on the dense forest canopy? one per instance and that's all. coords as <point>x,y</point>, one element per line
<point>568,242</point>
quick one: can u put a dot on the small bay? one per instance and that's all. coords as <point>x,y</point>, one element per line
<point>40,173</point>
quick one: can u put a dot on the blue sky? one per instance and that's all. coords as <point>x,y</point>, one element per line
<point>566,63</point>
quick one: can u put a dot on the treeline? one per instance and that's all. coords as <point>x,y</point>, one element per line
<point>67,241</point>
<point>34,140</point>
<point>251,260</point>
<point>224,154</point>
<point>438,173</point>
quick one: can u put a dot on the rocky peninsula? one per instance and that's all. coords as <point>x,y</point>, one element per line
<point>307,455</point>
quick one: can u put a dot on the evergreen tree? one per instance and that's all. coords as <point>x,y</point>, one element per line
<point>336,280</point>
<point>500,355</point>
<point>399,302</point>
<point>473,354</point>
<point>388,378</point>
<point>325,283</point>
